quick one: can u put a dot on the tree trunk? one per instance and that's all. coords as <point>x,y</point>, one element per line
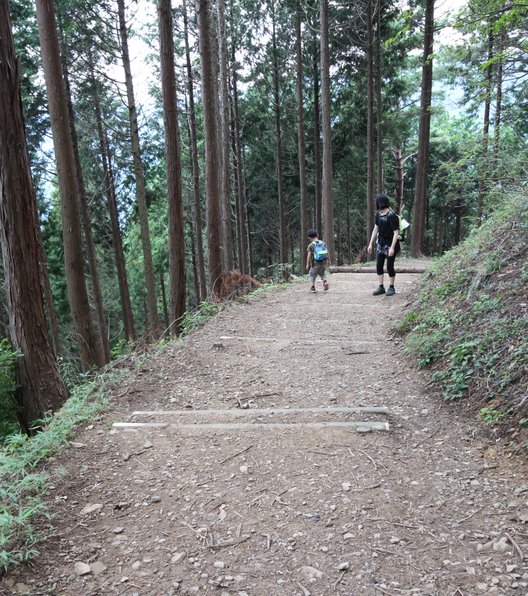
<point>195,169</point>
<point>40,387</point>
<point>327,196</point>
<point>117,240</point>
<point>398,167</point>
<point>87,226</point>
<point>318,208</point>
<point>173,166</point>
<point>422,163</point>
<point>379,103</point>
<point>283,246</point>
<point>64,155</point>
<point>303,186</point>
<point>243,228</point>
<point>212,157</point>
<point>485,127</point>
<point>150,282</point>
<point>498,100</point>
<point>48,294</point>
<point>227,252</point>
<point>370,124</point>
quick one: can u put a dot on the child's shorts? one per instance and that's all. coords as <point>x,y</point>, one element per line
<point>317,269</point>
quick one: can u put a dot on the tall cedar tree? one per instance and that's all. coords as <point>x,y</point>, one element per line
<point>40,387</point>
<point>422,163</point>
<point>152,307</point>
<point>327,196</point>
<point>370,122</point>
<point>89,348</point>
<point>173,165</point>
<point>303,185</point>
<point>195,169</point>
<point>212,145</point>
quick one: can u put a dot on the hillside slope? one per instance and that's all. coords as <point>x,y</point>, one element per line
<point>468,321</point>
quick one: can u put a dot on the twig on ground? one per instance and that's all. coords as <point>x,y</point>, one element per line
<point>304,590</point>
<point>339,579</point>
<point>516,546</point>
<point>230,543</point>
<point>369,457</point>
<point>470,515</point>
<point>322,453</point>
<point>235,455</point>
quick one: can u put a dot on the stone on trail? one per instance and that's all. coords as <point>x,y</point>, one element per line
<point>311,574</point>
<point>82,568</point>
<point>91,508</point>
<point>177,558</point>
<point>98,567</point>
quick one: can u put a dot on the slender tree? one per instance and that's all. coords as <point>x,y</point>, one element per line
<point>224,129</point>
<point>370,122</point>
<point>150,281</point>
<point>195,168</point>
<point>327,194</point>
<point>69,192</point>
<point>40,387</point>
<point>303,186</point>
<point>422,163</point>
<point>379,103</point>
<point>173,167</point>
<point>212,146</point>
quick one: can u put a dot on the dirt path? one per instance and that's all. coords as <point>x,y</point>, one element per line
<point>431,506</point>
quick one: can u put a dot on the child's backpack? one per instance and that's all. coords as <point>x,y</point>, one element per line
<point>403,224</point>
<point>320,252</point>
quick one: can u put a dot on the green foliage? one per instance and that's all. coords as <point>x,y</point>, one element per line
<point>196,318</point>
<point>23,485</point>
<point>8,419</point>
<point>490,416</point>
<point>469,320</point>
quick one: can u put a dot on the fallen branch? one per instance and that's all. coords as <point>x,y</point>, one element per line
<point>235,455</point>
<point>516,546</point>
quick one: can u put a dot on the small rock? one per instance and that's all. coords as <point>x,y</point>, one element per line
<point>98,567</point>
<point>136,565</point>
<point>155,499</point>
<point>119,530</point>
<point>311,574</point>
<point>147,445</point>
<point>244,469</point>
<point>81,568</point>
<point>177,557</point>
<point>346,486</point>
<point>219,564</point>
<point>344,566</point>
<point>501,545</point>
<point>510,568</point>
<point>91,508</point>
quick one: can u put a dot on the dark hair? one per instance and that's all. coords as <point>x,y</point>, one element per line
<point>312,233</point>
<point>382,202</point>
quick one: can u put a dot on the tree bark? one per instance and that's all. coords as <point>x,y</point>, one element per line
<point>40,387</point>
<point>498,102</point>
<point>283,244</point>
<point>117,240</point>
<point>303,186</point>
<point>227,252</point>
<point>212,157</point>
<point>370,124</point>
<point>195,169</point>
<point>422,163</point>
<point>173,166</point>
<point>150,281</point>
<point>87,226</point>
<point>379,104</point>
<point>242,221</point>
<point>485,126</point>
<point>318,208</point>
<point>326,186</point>
<point>64,155</point>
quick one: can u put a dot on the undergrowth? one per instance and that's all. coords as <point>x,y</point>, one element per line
<point>469,320</point>
<point>24,482</point>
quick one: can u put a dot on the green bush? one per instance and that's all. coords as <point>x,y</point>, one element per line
<point>8,417</point>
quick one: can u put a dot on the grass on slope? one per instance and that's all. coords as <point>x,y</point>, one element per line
<point>469,320</point>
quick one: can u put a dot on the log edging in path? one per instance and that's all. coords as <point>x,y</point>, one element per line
<point>360,269</point>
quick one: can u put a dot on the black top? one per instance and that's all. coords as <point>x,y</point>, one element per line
<point>387,224</point>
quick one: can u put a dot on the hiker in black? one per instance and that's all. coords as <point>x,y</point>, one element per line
<point>386,236</point>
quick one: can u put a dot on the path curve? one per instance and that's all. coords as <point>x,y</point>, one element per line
<point>431,506</point>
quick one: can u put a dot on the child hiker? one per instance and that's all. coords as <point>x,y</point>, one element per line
<point>386,235</point>
<point>317,257</point>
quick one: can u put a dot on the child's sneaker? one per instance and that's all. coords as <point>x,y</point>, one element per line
<point>379,291</point>
<point>391,291</point>
<point>312,290</point>
<point>325,285</point>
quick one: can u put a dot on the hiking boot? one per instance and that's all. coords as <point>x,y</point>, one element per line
<point>379,291</point>
<point>312,290</point>
<point>325,285</point>
<point>391,291</point>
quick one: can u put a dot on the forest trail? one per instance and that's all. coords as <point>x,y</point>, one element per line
<point>430,506</point>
